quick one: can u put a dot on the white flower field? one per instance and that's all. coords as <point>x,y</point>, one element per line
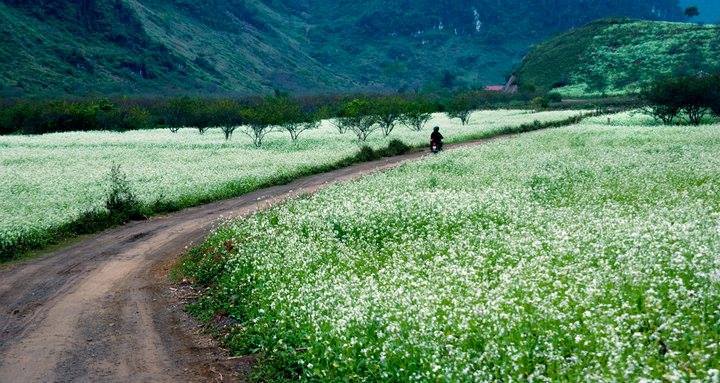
<point>51,180</point>
<point>588,253</point>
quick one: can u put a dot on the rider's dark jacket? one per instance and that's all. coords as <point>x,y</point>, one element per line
<point>436,137</point>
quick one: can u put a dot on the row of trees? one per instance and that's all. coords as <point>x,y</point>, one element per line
<point>670,100</point>
<point>256,117</point>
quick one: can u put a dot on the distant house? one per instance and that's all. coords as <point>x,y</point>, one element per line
<point>510,87</point>
<point>495,88</point>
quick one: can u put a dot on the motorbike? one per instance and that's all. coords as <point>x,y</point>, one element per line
<point>435,147</point>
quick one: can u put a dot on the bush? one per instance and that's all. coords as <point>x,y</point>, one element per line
<point>395,148</point>
<point>365,154</point>
<point>120,200</point>
<point>554,97</point>
<point>539,103</point>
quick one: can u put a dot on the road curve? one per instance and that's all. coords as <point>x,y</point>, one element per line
<point>104,310</point>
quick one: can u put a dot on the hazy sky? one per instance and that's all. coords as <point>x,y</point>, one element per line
<point>709,9</point>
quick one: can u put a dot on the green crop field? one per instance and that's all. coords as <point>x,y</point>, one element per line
<point>51,180</point>
<point>586,253</point>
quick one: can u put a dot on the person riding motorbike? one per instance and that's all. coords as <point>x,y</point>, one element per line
<point>436,140</point>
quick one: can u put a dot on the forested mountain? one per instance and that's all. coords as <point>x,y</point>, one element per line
<point>80,47</point>
<point>617,56</point>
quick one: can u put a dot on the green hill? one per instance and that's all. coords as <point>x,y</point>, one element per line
<point>149,47</point>
<point>619,56</point>
<point>81,47</point>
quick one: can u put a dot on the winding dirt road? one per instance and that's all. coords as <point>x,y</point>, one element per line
<point>104,310</point>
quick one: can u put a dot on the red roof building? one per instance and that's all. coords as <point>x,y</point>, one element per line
<point>495,88</point>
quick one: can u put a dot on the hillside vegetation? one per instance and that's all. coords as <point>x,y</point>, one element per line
<point>64,47</point>
<point>619,56</point>
<point>149,47</point>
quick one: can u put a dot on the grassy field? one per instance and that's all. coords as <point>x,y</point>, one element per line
<point>51,180</point>
<point>587,253</point>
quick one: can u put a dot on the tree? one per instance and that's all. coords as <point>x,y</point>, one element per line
<point>342,124</point>
<point>693,96</point>
<point>358,116</point>
<point>387,111</point>
<point>292,118</point>
<point>228,115</point>
<point>462,107</point>
<point>416,114</point>
<point>185,112</point>
<point>261,119</point>
<point>692,11</point>
<point>662,100</point>
<point>714,96</point>
<point>448,79</point>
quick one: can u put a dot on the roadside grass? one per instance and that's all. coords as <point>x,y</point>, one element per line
<point>588,252</point>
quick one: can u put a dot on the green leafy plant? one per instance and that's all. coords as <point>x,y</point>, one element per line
<point>120,199</point>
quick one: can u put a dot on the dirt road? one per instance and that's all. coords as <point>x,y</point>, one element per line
<point>104,310</point>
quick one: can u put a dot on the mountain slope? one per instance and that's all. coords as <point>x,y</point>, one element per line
<point>149,47</point>
<point>619,56</point>
<point>80,47</point>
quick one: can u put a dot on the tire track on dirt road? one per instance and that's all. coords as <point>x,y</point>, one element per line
<point>103,310</point>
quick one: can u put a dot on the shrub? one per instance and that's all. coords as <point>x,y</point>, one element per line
<point>539,103</point>
<point>120,200</point>
<point>554,97</point>
<point>365,154</point>
<point>395,148</point>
